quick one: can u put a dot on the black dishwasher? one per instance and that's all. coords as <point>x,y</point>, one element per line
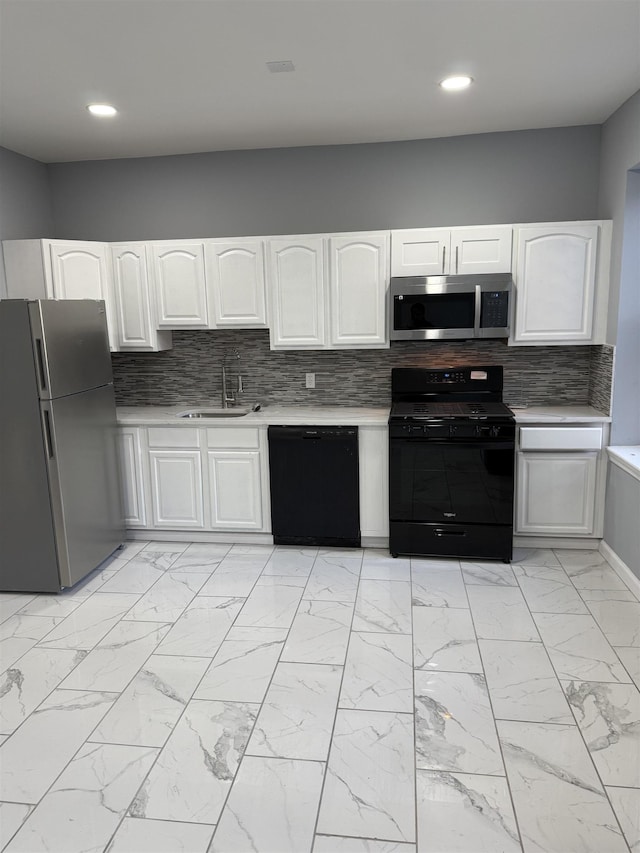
<point>315,497</point>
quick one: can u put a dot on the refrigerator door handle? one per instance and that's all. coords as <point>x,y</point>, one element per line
<point>48,437</point>
<point>42,374</point>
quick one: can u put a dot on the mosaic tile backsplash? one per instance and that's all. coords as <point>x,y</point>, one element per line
<point>191,372</point>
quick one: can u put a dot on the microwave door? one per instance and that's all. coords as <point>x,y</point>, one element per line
<point>434,315</point>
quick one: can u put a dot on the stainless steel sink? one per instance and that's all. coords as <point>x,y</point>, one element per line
<point>213,413</point>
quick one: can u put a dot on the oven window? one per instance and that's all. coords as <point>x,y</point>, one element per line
<point>434,311</point>
<point>459,483</point>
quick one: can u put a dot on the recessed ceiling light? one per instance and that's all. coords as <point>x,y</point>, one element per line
<point>102,109</point>
<point>452,84</point>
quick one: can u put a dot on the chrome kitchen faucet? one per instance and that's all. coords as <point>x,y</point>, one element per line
<point>227,398</point>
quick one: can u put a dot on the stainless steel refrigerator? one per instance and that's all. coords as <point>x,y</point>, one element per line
<point>60,501</point>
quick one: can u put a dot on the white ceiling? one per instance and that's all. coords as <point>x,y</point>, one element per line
<point>190,75</point>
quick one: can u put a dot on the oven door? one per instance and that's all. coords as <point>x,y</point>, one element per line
<point>454,482</point>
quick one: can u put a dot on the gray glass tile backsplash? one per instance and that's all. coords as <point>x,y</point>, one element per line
<point>191,371</point>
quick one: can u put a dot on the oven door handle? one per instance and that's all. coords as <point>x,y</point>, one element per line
<point>447,442</point>
<point>440,532</point>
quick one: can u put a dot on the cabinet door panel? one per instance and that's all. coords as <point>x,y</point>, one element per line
<point>130,458</point>
<point>296,280</point>
<point>180,285</point>
<point>480,250</point>
<point>81,271</point>
<point>420,251</point>
<point>358,277</point>
<point>135,305</point>
<point>556,493</point>
<point>176,488</point>
<point>236,500</point>
<point>235,273</point>
<point>555,283</point>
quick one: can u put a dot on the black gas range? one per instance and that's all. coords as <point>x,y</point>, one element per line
<point>451,463</point>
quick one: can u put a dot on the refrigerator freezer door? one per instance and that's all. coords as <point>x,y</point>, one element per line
<point>80,441</point>
<point>71,346</point>
<point>28,557</point>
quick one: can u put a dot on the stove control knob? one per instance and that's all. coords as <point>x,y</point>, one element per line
<point>453,430</point>
<point>495,431</point>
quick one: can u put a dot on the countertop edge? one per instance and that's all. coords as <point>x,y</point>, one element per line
<point>335,415</point>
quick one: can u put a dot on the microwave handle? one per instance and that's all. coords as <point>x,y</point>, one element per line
<point>476,319</point>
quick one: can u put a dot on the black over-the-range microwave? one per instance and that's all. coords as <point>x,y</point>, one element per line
<point>450,307</point>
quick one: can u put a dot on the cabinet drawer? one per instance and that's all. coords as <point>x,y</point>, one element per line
<point>233,437</point>
<point>173,437</point>
<point>561,438</point>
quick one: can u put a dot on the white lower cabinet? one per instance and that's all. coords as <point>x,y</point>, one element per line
<point>559,481</point>
<point>188,478</point>
<point>373,453</point>
<point>176,488</point>
<point>235,489</point>
<point>131,477</point>
<point>556,493</point>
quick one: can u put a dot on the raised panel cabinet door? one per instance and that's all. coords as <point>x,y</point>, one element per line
<point>131,478</point>
<point>555,279</point>
<point>236,498</point>
<point>480,250</point>
<point>235,278</point>
<point>176,488</point>
<point>134,302</point>
<point>80,270</point>
<point>556,493</point>
<point>420,251</point>
<point>180,285</point>
<point>358,276</point>
<point>296,283</point>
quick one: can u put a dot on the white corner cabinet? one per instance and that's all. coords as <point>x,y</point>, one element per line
<point>329,292</point>
<point>560,480</point>
<point>61,269</point>
<point>561,277</point>
<point>195,478</point>
<point>451,251</point>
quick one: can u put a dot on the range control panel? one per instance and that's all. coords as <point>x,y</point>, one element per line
<point>463,430</point>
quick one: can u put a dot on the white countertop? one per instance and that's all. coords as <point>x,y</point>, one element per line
<point>626,457</point>
<point>289,415</point>
<point>343,415</point>
<point>560,415</point>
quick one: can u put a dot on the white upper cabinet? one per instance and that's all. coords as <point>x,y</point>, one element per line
<point>61,269</point>
<point>329,292</point>
<point>135,303</point>
<point>178,270</point>
<point>556,278</point>
<point>458,251</point>
<point>358,274</point>
<point>236,283</point>
<point>296,278</point>
<point>420,251</point>
<point>481,250</point>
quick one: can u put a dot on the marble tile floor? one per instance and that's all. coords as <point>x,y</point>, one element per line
<point>211,698</point>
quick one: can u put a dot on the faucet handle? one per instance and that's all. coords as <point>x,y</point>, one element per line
<point>240,388</point>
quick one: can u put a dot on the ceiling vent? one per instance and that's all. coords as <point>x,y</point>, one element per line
<point>283,65</point>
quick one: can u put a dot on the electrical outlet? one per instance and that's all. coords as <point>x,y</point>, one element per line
<point>310,380</point>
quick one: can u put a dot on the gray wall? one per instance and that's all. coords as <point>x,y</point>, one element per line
<point>534,175</point>
<point>25,201</point>
<point>619,199</point>
<point>622,511</point>
<point>620,152</point>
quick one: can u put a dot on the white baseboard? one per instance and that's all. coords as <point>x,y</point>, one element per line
<point>555,542</point>
<point>200,536</point>
<point>621,568</point>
